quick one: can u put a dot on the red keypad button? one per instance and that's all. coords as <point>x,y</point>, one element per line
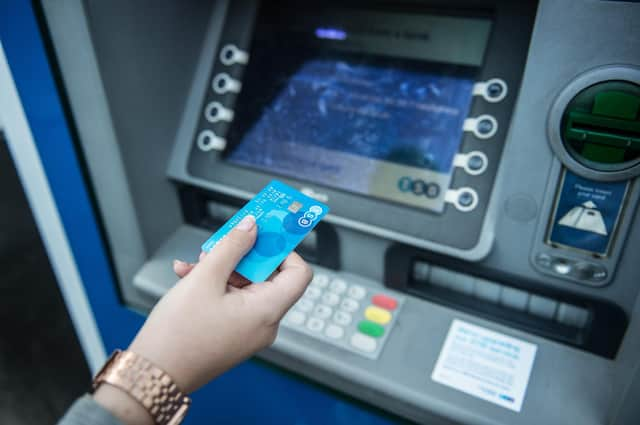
<point>384,301</point>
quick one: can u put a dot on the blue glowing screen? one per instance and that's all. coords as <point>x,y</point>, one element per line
<point>332,119</point>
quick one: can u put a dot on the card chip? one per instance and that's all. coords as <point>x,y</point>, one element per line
<point>294,207</point>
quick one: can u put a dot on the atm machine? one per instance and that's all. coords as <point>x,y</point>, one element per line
<point>481,162</point>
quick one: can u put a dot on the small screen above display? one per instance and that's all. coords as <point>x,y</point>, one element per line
<point>372,109</point>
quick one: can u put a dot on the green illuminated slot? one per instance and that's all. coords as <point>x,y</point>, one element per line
<point>605,129</point>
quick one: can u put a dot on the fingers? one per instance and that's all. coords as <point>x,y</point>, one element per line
<point>220,262</point>
<point>287,286</point>
<point>182,268</point>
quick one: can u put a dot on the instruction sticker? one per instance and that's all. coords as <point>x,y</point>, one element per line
<point>586,213</point>
<point>485,364</point>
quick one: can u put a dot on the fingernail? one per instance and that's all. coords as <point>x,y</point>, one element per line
<point>246,223</point>
<point>179,263</point>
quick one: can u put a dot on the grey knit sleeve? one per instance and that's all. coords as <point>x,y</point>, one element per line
<point>85,411</point>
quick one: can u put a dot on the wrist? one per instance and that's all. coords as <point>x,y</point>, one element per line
<point>122,405</point>
<point>165,360</point>
<point>135,390</point>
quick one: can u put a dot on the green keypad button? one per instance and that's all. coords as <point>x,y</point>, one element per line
<point>371,329</point>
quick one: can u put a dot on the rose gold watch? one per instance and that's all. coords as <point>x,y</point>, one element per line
<point>146,383</point>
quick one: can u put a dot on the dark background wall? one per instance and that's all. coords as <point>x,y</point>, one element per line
<point>42,368</point>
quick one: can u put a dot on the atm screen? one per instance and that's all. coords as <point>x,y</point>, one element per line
<point>348,114</point>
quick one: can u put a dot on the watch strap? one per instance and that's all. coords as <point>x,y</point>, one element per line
<point>147,384</point>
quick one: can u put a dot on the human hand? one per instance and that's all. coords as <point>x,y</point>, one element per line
<point>212,319</point>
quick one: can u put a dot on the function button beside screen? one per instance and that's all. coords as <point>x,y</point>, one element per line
<point>371,329</point>
<point>493,90</point>
<point>483,127</point>
<point>215,112</point>
<point>230,54</point>
<point>464,199</point>
<point>223,83</point>
<point>385,301</point>
<point>496,90</point>
<point>364,342</point>
<point>377,315</point>
<point>476,163</point>
<point>208,140</point>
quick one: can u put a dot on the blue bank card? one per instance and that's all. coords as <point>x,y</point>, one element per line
<point>284,216</point>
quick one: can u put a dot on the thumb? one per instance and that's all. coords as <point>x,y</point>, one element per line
<point>281,292</point>
<point>223,258</point>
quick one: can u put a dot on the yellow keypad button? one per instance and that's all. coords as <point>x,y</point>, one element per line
<point>377,315</point>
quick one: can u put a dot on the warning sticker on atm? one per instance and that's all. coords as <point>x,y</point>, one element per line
<point>485,364</point>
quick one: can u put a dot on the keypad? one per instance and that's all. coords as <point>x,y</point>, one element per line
<point>351,315</point>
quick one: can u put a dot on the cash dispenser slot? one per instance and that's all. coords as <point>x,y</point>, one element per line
<point>585,323</point>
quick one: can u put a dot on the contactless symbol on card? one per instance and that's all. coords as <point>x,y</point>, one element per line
<point>284,216</point>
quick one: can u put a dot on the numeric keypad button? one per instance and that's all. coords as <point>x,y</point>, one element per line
<point>342,318</point>
<point>330,298</point>
<point>334,331</point>
<point>349,305</point>
<point>312,293</point>
<point>356,292</point>
<point>315,324</point>
<point>338,286</point>
<point>296,317</point>
<point>322,311</point>
<point>305,305</point>
<point>320,280</point>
